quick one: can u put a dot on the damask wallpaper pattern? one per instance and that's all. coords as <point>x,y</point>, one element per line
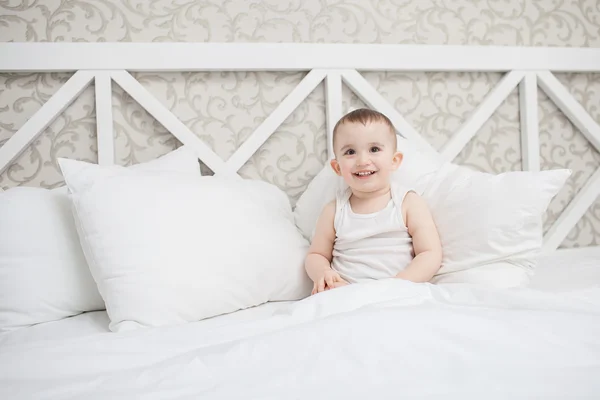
<point>224,108</point>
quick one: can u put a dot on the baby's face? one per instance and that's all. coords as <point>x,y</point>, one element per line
<point>365,155</point>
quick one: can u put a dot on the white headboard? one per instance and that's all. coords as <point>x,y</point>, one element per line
<point>526,67</point>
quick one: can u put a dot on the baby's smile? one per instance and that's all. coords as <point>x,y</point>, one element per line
<point>364,174</point>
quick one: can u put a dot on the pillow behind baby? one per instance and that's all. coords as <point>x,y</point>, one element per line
<point>43,273</point>
<point>168,249</point>
<point>490,225</point>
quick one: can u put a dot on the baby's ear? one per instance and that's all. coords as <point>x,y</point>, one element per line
<point>336,167</point>
<point>397,160</point>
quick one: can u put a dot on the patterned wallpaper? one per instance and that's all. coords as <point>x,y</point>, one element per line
<point>224,108</point>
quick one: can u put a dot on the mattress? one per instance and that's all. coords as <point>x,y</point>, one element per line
<point>361,340</point>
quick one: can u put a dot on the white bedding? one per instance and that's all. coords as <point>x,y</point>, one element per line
<point>387,339</point>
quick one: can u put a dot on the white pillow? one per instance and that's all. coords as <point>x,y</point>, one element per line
<point>491,225</point>
<point>320,191</point>
<point>166,248</point>
<point>417,170</point>
<point>43,273</point>
<point>475,213</point>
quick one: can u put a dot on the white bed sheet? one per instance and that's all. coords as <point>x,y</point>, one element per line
<point>96,323</point>
<point>388,339</point>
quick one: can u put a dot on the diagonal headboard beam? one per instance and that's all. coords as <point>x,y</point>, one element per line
<point>44,117</point>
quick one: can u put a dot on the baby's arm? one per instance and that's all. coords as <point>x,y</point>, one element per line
<point>426,241</point>
<point>320,253</point>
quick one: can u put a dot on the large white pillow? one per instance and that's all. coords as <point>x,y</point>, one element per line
<point>43,273</point>
<point>491,225</point>
<point>166,248</point>
<point>476,214</point>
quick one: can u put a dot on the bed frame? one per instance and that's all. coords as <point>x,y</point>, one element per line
<point>528,67</point>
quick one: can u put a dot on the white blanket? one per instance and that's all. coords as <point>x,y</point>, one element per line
<point>387,339</point>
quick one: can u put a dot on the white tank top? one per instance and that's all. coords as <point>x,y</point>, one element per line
<point>371,246</point>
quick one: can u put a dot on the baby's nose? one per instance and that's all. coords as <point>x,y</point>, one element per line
<point>363,160</point>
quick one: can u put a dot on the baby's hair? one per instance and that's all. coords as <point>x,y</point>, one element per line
<point>364,116</point>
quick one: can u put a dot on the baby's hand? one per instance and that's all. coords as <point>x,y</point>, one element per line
<point>329,280</point>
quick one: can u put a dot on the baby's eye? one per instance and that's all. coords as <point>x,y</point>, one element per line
<point>375,149</point>
<point>349,152</point>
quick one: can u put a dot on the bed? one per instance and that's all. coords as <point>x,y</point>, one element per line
<point>455,339</point>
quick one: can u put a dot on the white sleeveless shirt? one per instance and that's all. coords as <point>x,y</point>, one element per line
<point>371,246</point>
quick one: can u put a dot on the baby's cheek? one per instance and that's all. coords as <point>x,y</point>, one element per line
<point>348,164</point>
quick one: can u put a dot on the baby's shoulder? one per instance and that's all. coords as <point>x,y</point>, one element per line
<point>411,198</point>
<point>414,207</point>
<point>408,198</point>
<point>330,206</point>
<point>403,193</point>
<point>328,210</point>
